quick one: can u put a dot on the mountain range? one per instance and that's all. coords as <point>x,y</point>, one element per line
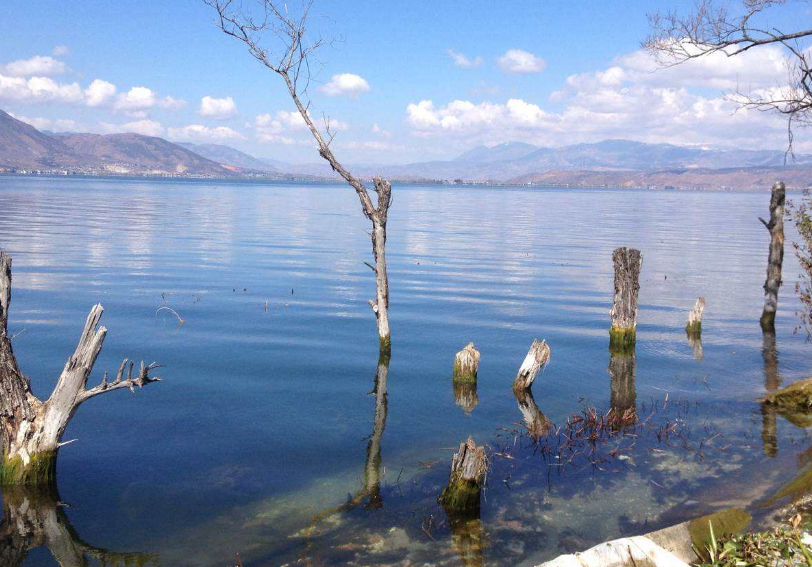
<point>609,162</point>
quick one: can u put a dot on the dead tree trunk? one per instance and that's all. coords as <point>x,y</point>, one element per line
<point>468,468</point>
<point>776,257</point>
<point>466,364</point>
<point>627,263</point>
<point>537,358</point>
<point>30,429</point>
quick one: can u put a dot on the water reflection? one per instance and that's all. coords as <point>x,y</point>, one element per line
<point>622,392</point>
<point>34,517</point>
<point>772,381</point>
<point>695,342</point>
<point>468,537</point>
<point>536,422</point>
<point>466,396</point>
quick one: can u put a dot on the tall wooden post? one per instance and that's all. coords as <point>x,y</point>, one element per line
<point>776,257</point>
<point>627,264</point>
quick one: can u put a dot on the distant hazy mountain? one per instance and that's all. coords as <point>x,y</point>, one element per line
<point>24,147</point>
<point>502,152</point>
<point>228,156</point>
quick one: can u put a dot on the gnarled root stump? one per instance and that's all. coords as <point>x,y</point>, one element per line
<point>466,364</point>
<point>468,468</point>
<point>537,358</point>
<point>627,265</point>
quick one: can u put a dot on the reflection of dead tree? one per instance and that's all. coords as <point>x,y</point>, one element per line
<point>274,33</point>
<point>536,422</point>
<point>33,517</point>
<point>371,491</point>
<point>772,381</point>
<point>466,396</point>
<point>31,429</point>
<point>713,27</point>
<point>468,536</point>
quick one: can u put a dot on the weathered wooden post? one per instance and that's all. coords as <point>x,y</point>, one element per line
<point>466,364</point>
<point>468,467</point>
<point>694,326</point>
<point>537,358</point>
<point>628,263</point>
<point>776,256</point>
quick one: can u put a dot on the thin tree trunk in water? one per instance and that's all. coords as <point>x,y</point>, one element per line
<point>776,257</point>
<point>627,265</point>
<point>30,429</point>
<point>381,304</point>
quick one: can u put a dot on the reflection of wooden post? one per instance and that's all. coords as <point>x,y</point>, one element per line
<point>469,539</point>
<point>537,358</point>
<point>372,466</point>
<point>34,517</point>
<point>776,257</point>
<point>468,467</point>
<point>627,264</point>
<point>772,381</point>
<point>466,396</point>
<point>622,392</point>
<point>536,422</point>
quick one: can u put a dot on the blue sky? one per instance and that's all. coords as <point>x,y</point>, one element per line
<point>570,72</point>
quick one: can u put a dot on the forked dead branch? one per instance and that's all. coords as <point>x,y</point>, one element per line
<point>276,36</point>
<point>31,429</point>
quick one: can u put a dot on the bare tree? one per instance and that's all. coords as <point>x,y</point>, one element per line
<point>31,429</point>
<point>714,27</point>
<point>276,36</point>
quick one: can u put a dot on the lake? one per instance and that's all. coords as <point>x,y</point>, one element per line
<point>269,429</point>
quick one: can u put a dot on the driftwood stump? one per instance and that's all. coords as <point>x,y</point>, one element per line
<point>776,257</point>
<point>627,265</point>
<point>468,468</point>
<point>466,364</point>
<point>537,358</point>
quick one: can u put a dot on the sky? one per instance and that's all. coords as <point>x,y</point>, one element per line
<point>400,82</point>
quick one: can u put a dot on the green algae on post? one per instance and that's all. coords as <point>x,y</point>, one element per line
<point>466,365</point>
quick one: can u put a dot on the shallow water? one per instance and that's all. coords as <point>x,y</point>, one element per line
<point>268,431</point>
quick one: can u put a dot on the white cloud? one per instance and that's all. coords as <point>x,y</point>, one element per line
<point>519,61</point>
<point>200,133</point>
<point>345,84</point>
<point>143,127</point>
<point>38,89</point>
<point>219,108</point>
<point>99,92</point>
<point>170,103</point>
<point>377,130</point>
<point>632,97</point>
<point>39,65</point>
<point>59,125</point>
<point>461,60</point>
<point>138,100</point>
<point>61,50</point>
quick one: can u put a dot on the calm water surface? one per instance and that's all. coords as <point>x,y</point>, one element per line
<point>269,435</point>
